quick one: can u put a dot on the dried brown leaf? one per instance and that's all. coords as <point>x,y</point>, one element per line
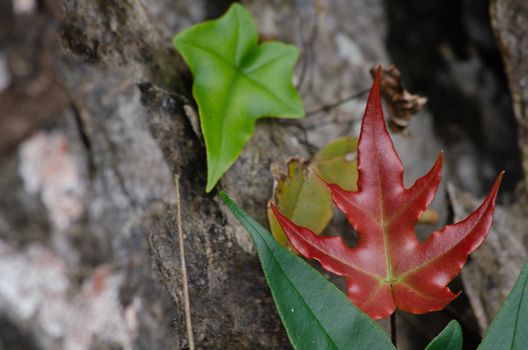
<point>401,104</point>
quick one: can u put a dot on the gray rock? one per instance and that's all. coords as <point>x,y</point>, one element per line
<point>89,252</point>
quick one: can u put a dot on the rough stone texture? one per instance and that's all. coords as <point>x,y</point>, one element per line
<point>494,268</point>
<point>97,117</point>
<point>446,52</point>
<point>509,19</point>
<point>32,95</point>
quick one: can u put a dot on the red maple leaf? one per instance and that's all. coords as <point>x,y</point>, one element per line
<point>389,267</point>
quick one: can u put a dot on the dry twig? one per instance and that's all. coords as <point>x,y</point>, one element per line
<point>186,299</point>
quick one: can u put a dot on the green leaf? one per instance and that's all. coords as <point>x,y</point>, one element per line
<point>449,339</point>
<point>509,329</point>
<point>337,163</point>
<point>314,312</point>
<point>302,197</point>
<point>236,81</point>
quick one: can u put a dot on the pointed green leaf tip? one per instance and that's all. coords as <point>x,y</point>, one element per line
<point>449,339</point>
<point>509,329</point>
<point>314,312</point>
<point>236,81</point>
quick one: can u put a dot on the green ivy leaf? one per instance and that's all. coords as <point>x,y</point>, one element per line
<point>509,329</point>
<point>236,81</point>
<point>314,312</point>
<point>449,339</point>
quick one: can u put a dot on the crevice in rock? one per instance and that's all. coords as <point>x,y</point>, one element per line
<point>13,336</point>
<point>447,52</point>
<point>83,136</point>
<point>160,102</point>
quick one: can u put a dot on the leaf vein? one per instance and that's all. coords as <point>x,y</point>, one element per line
<point>242,74</point>
<point>440,255</point>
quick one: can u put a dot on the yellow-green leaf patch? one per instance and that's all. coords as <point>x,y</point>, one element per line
<point>301,195</point>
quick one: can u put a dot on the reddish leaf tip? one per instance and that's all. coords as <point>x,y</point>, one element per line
<point>440,158</point>
<point>377,72</point>
<point>494,189</point>
<point>377,80</point>
<point>499,177</point>
<point>496,185</point>
<point>275,210</point>
<point>374,95</point>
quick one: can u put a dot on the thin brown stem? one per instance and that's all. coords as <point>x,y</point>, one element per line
<point>330,106</point>
<point>186,299</point>
<point>394,336</point>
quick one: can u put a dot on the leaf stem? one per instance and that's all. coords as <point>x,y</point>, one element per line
<point>394,336</point>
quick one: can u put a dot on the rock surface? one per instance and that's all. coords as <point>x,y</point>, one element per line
<point>97,118</point>
<point>494,268</point>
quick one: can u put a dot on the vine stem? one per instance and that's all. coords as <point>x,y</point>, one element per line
<point>394,336</point>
